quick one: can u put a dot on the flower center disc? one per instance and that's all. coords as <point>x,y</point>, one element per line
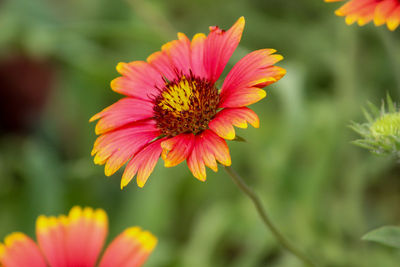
<point>185,106</point>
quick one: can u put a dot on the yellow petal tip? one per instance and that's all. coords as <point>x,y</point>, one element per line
<point>41,223</point>
<point>124,182</point>
<point>14,237</point>
<point>262,93</point>
<point>101,217</point>
<point>2,250</point>
<point>120,66</point>
<point>231,135</point>
<point>75,213</point>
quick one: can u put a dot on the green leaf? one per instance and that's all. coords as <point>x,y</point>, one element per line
<point>368,116</point>
<point>387,235</point>
<point>361,143</point>
<point>373,109</point>
<point>391,106</point>
<point>239,139</point>
<point>359,128</point>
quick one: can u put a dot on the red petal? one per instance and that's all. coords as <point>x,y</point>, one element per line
<point>125,111</point>
<point>75,240</point>
<point>243,97</point>
<point>139,80</point>
<point>142,164</point>
<point>20,251</point>
<point>124,150</point>
<point>253,71</point>
<point>177,149</point>
<point>224,121</point>
<point>129,249</point>
<point>179,52</point>
<point>208,147</point>
<point>353,6</point>
<point>394,19</point>
<point>197,47</point>
<point>219,47</point>
<point>162,62</point>
<point>384,10</point>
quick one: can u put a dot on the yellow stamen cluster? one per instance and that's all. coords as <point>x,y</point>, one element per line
<point>185,105</point>
<point>177,97</point>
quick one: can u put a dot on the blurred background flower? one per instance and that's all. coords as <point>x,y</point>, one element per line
<point>363,11</point>
<point>26,83</point>
<point>76,239</point>
<point>324,192</point>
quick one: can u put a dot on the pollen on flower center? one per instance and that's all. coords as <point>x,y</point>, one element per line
<point>185,105</point>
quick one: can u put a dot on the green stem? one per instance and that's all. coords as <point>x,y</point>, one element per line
<point>263,214</point>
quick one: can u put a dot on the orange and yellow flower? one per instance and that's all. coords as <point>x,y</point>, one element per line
<point>363,11</point>
<point>174,109</point>
<point>76,240</point>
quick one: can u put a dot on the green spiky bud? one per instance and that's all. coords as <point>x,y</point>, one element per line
<point>381,134</point>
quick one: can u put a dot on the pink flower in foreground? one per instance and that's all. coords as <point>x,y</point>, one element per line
<point>363,11</point>
<point>76,240</point>
<point>174,109</point>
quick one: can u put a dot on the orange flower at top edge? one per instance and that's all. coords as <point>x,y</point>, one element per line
<point>363,11</point>
<point>76,240</point>
<point>173,108</point>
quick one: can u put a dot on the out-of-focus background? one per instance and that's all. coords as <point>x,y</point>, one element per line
<point>57,59</point>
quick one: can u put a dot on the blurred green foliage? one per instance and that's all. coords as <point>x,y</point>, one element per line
<point>323,192</point>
